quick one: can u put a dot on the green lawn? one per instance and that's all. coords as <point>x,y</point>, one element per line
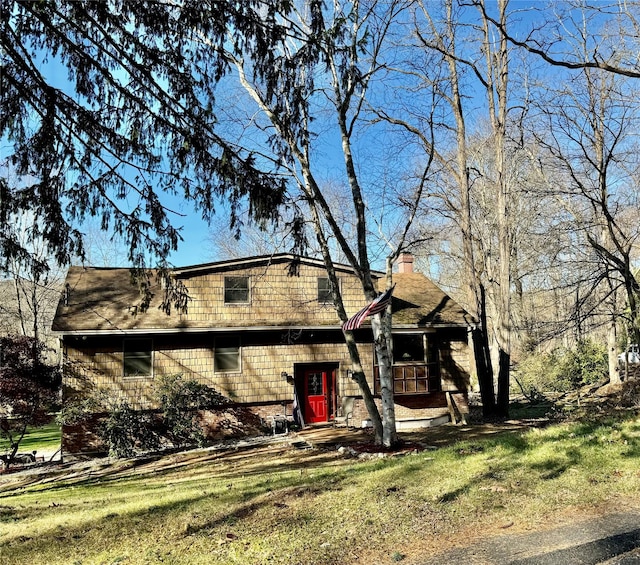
<point>46,438</point>
<point>281,505</point>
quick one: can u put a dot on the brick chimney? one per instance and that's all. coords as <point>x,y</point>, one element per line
<point>405,263</point>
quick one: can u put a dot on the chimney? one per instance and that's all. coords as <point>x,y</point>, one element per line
<point>405,263</point>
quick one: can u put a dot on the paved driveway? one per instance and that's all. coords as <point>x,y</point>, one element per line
<point>610,540</point>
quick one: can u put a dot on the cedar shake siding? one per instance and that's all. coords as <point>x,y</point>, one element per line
<point>252,330</point>
<point>97,362</point>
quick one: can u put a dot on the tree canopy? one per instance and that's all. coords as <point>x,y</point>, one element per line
<point>447,112</point>
<point>107,107</point>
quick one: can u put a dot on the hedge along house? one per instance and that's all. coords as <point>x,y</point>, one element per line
<point>257,335</point>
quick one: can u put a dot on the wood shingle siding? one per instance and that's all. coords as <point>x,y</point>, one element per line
<point>265,356</point>
<point>104,300</point>
<point>283,332</point>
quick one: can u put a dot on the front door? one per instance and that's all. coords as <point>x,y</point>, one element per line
<point>316,395</point>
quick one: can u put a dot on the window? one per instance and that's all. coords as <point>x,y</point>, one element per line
<point>226,354</point>
<point>408,348</point>
<point>415,365</point>
<point>236,290</point>
<point>324,290</point>
<point>137,357</point>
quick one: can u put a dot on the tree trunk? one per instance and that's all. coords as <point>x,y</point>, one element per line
<point>482,354</point>
<point>475,291</point>
<point>497,81</point>
<point>612,345</point>
<point>360,378</point>
<point>381,326</point>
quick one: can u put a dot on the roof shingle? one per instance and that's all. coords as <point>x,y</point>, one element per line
<point>105,300</point>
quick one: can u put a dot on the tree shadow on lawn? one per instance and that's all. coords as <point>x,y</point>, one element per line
<point>197,513</point>
<point>443,436</point>
<point>571,446</point>
<point>286,478</point>
<point>227,464</point>
<point>244,460</point>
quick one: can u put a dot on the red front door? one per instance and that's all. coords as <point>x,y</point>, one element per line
<point>316,397</point>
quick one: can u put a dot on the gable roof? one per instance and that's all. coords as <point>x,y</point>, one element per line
<point>260,261</point>
<point>417,301</point>
<point>103,300</point>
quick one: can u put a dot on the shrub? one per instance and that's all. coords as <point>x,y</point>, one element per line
<point>586,364</point>
<point>123,430</point>
<point>180,399</point>
<point>563,369</point>
<point>538,373</point>
<point>77,409</point>
<point>126,431</point>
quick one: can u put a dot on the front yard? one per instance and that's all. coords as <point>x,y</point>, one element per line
<point>280,504</point>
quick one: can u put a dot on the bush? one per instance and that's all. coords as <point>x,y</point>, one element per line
<point>563,369</point>
<point>180,399</point>
<point>126,431</point>
<point>537,373</point>
<point>586,364</point>
<point>78,409</point>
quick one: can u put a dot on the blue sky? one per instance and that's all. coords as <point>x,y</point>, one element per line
<point>197,245</point>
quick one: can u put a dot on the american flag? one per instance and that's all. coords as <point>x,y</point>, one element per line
<point>378,305</point>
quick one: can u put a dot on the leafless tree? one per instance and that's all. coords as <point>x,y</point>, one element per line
<point>467,58</point>
<point>609,31</point>
<point>324,79</point>
<point>30,292</point>
<point>591,136</point>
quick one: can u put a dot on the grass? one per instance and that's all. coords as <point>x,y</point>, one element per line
<point>47,438</point>
<point>281,505</point>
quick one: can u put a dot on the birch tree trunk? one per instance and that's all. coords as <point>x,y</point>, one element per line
<point>382,338</point>
<point>335,66</point>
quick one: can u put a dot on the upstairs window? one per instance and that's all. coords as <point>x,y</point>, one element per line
<point>138,358</point>
<point>226,354</point>
<point>236,290</point>
<point>324,290</point>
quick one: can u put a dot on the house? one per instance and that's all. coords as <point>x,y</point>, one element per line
<point>257,334</point>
